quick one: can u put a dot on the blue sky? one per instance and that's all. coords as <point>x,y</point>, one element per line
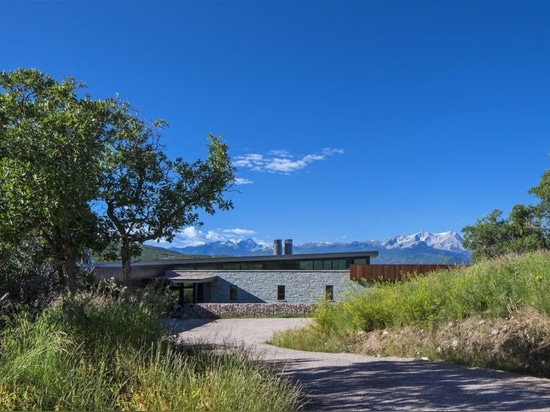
<point>346,120</point>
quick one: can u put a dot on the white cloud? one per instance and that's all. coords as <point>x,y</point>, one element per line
<point>330,152</point>
<point>281,161</point>
<point>242,181</point>
<point>191,236</point>
<point>239,232</point>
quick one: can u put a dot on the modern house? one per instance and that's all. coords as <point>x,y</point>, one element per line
<point>278,278</point>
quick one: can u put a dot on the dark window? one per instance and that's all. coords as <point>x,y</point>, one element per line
<point>188,293</point>
<point>232,292</point>
<point>306,264</point>
<point>317,264</point>
<point>234,266</point>
<point>330,292</point>
<point>281,292</point>
<point>204,267</point>
<point>327,264</point>
<point>200,292</point>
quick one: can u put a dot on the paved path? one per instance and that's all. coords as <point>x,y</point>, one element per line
<point>340,381</point>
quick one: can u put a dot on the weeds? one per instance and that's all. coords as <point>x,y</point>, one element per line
<point>412,318</point>
<point>93,352</point>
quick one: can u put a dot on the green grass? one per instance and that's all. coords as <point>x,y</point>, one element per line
<point>105,354</point>
<point>497,289</point>
<point>490,289</point>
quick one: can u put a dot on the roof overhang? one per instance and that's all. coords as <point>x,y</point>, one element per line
<point>173,263</point>
<point>178,278</point>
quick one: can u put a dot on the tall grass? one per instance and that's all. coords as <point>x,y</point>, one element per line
<point>494,289</point>
<point>112,354</point>
<point>489,288</point>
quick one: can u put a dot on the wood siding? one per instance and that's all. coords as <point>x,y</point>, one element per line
<point>391,272</point>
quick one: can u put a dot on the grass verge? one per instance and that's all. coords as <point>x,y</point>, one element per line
<point>493,314</point>
<point>105,354</point>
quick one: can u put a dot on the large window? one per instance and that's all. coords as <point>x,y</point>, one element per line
<point>306,264</point>
<point>281,292</point>
<point>325,264</point>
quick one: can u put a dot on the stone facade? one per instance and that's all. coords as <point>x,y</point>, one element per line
<point>274,286</point>
<point>233,310</point>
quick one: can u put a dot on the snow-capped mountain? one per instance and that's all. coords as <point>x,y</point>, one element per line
<point>421,247</point>
<point>247,247</point>
<point>444,240</point>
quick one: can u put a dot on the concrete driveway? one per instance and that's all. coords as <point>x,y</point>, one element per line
<point>340,381</point>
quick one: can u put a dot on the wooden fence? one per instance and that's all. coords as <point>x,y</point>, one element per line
<point>391,272</point>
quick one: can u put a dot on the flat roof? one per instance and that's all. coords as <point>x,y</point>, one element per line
<point>259,258</point>
<point>194,278</point>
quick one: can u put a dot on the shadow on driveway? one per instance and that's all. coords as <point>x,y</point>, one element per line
<point>177,326</point>
<point>395,384</point>
<point>343,381</point>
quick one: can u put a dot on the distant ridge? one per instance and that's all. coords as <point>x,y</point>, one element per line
<point>418,248</point>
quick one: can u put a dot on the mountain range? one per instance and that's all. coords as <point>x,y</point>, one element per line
<point>418,248</point>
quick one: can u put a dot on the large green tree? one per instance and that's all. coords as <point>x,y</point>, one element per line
<point>50,137</point>
<point>78,174</point>
<point>145,195</point>
<point>525,229</point>
<point>494,235</point>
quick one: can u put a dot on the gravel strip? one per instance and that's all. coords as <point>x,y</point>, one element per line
<point>341,381</point>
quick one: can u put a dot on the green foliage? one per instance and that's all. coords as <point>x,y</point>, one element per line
<point>145,195</point>
<point>99,353</point>
<point>494,236</point>
<point>423,316</point>
<point>490,288</point>
<point>149,253</point>
<point>526,229</point>
<point>49,145</point>
<point>314,338</point>
<point>78,174</point>
<point>29,278</point>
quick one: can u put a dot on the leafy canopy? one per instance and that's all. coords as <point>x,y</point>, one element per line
<point>526,229</point>
<point>78,173</point>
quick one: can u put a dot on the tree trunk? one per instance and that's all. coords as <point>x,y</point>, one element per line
<point>70,275</point>
<point>126,257</point>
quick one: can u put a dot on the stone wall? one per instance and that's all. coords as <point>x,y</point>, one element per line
<point>300,286</point>
<point>235,310</point>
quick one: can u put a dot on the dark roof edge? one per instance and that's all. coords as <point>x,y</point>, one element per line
<point>261,258</point>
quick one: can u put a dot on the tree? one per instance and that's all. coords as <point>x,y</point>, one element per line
<point>486,237</point>
<point>528,232</point>
<point>145,195</point>
<point>542,192</point>
<point>493,236</point>
<point>78,174</point>
<point>49,142</point>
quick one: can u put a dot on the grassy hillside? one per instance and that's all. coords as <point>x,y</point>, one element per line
<point>494,314</point>
<point>154,253</point>
<point>149,253</point>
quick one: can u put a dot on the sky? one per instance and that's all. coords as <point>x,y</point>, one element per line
<point>346,120</point>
